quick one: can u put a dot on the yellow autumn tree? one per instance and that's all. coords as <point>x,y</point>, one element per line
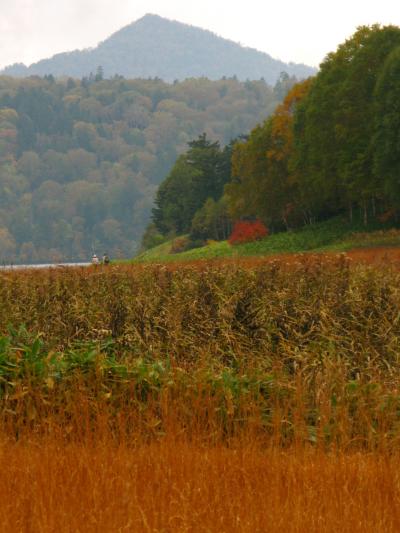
<point>262,183</point>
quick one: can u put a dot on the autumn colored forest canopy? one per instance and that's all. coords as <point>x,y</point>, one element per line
<point>80,160</point>
<point>332,147</point>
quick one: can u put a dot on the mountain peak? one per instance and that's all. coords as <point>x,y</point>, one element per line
<point>148,17</point>
<point>154,46</point>
<point>152,16</point>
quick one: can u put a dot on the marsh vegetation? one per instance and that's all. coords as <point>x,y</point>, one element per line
<point>202,397</point>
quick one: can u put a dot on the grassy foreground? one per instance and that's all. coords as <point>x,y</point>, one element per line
<point>174,487</point>
<point>204,397</point>
<point>335,235</point>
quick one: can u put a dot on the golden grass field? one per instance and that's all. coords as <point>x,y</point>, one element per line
<point>172,486</point>
<point>248,396</point>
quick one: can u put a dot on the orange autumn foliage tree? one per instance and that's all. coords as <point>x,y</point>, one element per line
<point>282,123</point>
<point>262,184</point>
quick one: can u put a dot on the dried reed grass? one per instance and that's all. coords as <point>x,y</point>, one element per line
<point>215,397</point>
<point>174,487</point>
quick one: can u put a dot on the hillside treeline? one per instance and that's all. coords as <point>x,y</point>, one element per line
<point>80,160</point>
<point>332,147</point>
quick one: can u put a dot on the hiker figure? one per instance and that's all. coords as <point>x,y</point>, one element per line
<point>95,260</point>
<point>106,259</point>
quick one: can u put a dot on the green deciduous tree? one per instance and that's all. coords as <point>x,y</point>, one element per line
<point>335,124</point>
<point>387,128</point>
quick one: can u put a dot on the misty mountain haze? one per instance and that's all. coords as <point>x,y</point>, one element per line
<point>157,47</point>
<point>80,160</point>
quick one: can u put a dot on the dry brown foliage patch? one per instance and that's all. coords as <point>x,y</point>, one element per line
<point>177,487</point>
<point>223,396</point>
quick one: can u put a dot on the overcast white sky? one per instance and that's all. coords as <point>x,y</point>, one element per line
<point>302,31</point>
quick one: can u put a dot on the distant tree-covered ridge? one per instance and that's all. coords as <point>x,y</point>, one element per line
<point>331,147</point>
<point>80,161</point>
<point>157,47</point>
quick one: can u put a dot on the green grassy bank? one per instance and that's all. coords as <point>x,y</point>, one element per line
<point>336,235</point>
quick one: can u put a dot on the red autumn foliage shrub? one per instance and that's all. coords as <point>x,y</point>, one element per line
<point>247,231</point>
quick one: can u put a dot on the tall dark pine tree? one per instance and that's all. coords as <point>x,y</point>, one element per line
<point>199,174</point>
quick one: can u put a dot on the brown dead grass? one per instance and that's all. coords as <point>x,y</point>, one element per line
<point>312,448</point>
<point>178,487</point>
<point>378,255</point>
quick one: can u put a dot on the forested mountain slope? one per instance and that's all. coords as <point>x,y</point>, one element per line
<point>157,47</point>
<point>80,160</point>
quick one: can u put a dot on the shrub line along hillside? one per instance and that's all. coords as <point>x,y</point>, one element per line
<point>335,235</point>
